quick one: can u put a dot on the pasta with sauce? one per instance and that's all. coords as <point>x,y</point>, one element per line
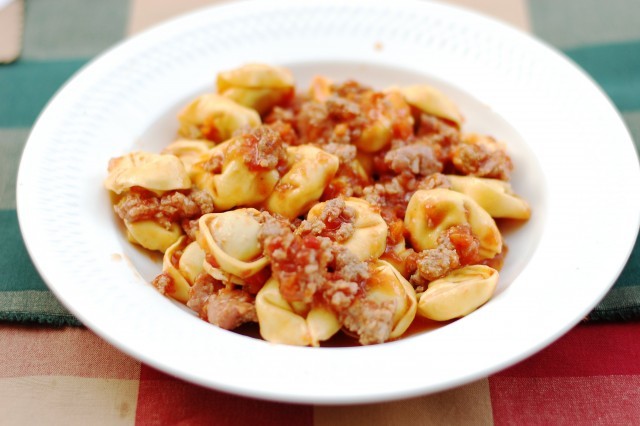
<point>339,210</point>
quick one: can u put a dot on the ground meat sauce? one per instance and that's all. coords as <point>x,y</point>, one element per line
<point>176,255</point>
<point>203,287</point>
<point>335,222</point>
<point>348,182</point>
<point>214,163</point>
<point>441,135</point>
<point>285,131</point>
<point>190,228</point>
<point>284,114</point>
<point>254,283</point>
<point>173,206</point>
<point>392,194</point>
<point>305,254</point>
<point>261,149</point>
<point>348,110</point>
<point>370,321</point>
<point>312,269</point>
<point>350,179</point>
<point>479,156</point>
<point>338,120</point>
<point>230,308</point>
<point>395,236</point>
<point>164,283</point>
<point>418,159</point>
<point>466,244</point>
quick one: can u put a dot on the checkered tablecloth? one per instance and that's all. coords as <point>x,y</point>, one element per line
<point>55,371</point>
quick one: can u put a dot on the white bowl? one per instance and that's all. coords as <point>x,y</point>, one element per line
<point>575,163</point>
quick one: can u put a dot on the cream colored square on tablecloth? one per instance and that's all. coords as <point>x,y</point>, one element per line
<point>11,19</point>
<point>145,13</point>
<point>466,405</point>
<point>64,400</point>
<point>513,12</point>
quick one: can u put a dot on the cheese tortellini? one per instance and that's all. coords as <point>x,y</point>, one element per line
<point>215,118</point>
<point>369,229</point>
<point>257,86</point>
<point>391,112</point>
<point>190,264</point>
<point>189,151</point>
<point>225,175</point>
<point>340,210</point>
<point>432,101</point>
<point>232,239</point>
<point>493,195</point>
<point>459,293</point>
<point>387,287</point>
<point>431,212</point>
<point>153,172</point>
<point>152,235</point>
<point>281,322</point>
<point>310,170</point>
<point>157,174</point>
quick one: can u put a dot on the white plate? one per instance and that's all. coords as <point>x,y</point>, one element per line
<point>574,160</point>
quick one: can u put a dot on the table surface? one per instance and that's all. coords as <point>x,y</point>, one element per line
<point>55,371</point>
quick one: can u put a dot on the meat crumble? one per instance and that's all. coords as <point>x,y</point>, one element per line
<point>262,149</point>
<point>482,156</point>
<point>443,136</point>
<point>370,321</point>
<point>203,287</point>
<point>173,206</point>
<point>418,159</point>
<point>392,193</point>
<point>229,309</point>
<point>456,247</point>
<point>310,268</point>
<point>334,222</point>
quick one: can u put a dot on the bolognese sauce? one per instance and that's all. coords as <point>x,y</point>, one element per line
<point>389,145</point>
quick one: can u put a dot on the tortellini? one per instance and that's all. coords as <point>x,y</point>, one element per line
<point>431,101</point>
<point>389,113</point>
<point>232,239</point>
<point>152,235</point>
<point>459,293</point>
<point>257,86</point>
<point>370,230</point>
<point>387,285</point>
<point>310,171</point>
<point>232,183</point>
<point>431,212</point>
<point>190,265</point>
<point>396,255</point>
<point>189,151</point>
<point>280,322</point>
<point>493,195</point>
<point>215,118</point>
<point>154,172</point>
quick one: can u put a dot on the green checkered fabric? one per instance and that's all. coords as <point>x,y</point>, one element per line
<point>59,37</point>
<point>62,35</point>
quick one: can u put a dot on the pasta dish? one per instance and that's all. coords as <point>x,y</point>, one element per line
<point>338,209</point>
